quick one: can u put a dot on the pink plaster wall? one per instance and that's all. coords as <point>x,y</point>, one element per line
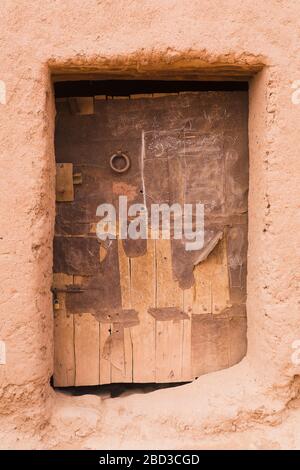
<point>134,37</point>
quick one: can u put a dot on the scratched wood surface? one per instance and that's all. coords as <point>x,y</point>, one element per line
<point>149,310</point>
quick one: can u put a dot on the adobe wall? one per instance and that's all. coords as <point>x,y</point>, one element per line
<point>135,38</point>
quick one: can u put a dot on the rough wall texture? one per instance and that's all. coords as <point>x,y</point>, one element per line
<point>134,38</point>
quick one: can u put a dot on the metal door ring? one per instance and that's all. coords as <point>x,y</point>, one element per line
<point>119,162</point>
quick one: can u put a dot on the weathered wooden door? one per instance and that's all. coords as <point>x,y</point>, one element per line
<point>148,310</point>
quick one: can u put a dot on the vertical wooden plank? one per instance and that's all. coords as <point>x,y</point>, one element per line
<point>142,297</point>
<point>117,356</point>
<point>86,325</point>
<point>210,292</point>
<point>169,337</point>
<point>186,366</point>
<point>168,292</point>
<point>64,360</point>
<point>169,333</point>
<point>124,267</point>
<point>125,375</point>
<point>86,339</point>
<point>177,187</point>
<point>104,353</point>
<point>128,355</point>
<point>202,302</point>
<point>198,299</point>
<point>104,348</point>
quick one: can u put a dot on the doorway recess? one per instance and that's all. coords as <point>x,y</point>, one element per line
<point>147,310</point>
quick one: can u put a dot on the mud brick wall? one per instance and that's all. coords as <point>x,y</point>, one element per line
<point>167,39</point>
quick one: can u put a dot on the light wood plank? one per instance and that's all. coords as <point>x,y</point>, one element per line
<point>124,268</point>
<point>124,375</point>
<point>86,339</point>
<point>168,292</point>
<point>105,352</point>
<point>64,359</point>
<point>186,366</point>
<point>117,357</point>
<point>198,299</point>
<point>169,334</point>
<point>210,292</point>
<point>142,297</point>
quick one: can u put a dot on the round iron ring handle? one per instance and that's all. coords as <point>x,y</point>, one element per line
<point>117,156</point>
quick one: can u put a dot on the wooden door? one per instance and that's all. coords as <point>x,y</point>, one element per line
<point>148,310</point>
